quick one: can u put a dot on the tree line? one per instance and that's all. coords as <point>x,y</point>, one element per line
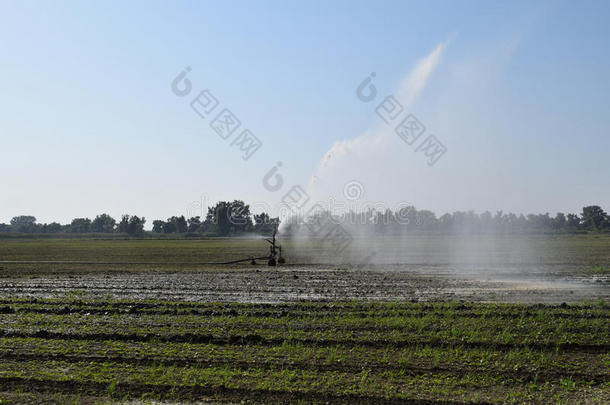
<point>104,223</point>
<point>228,218</point>
<point>223,219</point>
<point>592,218</point>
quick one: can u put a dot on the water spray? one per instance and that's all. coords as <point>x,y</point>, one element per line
<point>275,251</point>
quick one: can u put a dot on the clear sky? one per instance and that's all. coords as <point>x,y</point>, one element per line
<point>518,93</point>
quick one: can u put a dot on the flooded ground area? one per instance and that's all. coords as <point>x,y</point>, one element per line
<point>298,282</point>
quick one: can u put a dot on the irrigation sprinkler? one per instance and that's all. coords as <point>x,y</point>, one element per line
<point>275,256</point>
<point>275,251</point>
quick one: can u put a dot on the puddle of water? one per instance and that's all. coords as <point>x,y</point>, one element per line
<point>295,283</point>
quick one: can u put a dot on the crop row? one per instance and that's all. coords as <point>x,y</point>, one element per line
<point>346,352</point>
<point>296,311</point>
<point>364,384</point>
<point>523,363</point>
<point>534,332</point>
<point>355,308</point>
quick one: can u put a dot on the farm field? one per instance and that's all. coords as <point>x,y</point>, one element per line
<point>574,252</point>
<point>552,269</point>
<point>116,321</point>
<point>351,352</point>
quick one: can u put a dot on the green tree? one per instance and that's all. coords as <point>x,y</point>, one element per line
<point>131,225</point>
<point>178,224</point>
<point>241,218</point>
<point>136,225</point>
<point>594,218</point>
<point>227,218</point>
<point>573,222</point>
<point>103,223</point>
<point>80,225</point>
<point>158,226</point>
<point>169,227</point>
<point>24,223</point>
<point>194,224</point>
<point>218,218</point>
<point>559,222</point>
<point>264,224</point>
<point>53,227</point>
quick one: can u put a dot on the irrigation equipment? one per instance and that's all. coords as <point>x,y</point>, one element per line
<point>275,251</point>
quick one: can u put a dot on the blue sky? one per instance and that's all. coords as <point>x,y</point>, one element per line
<point>88,122</point>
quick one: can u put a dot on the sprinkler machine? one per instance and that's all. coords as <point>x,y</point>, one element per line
<point>275,252</point>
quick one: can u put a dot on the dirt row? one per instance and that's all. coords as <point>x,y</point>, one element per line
<point>294,314</point>
<point>198,392</point>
